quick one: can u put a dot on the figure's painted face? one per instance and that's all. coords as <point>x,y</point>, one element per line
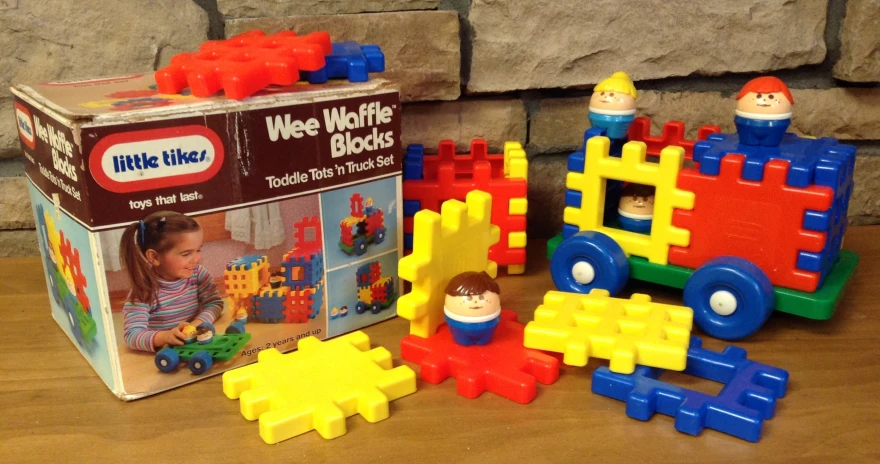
<point>764,103</point>
<point>474,305</point>
<point>241,315</point>
<point>637,204</point>
<point>204,334</point>
<point>616,101</point>
<point>189,332</point>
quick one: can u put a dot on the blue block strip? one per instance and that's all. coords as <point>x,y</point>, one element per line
<point>349,60</point>
<point>811,262</point>
<point>246,261</point>
<point>411,207</point>
<point>573,198</point>
<point>414,162</point>
<point>407,242</point>
<point>568,230</point>
<point>576,162</point>
<point>820,221</point>
<point>747,399</point>
<point>317,301</point>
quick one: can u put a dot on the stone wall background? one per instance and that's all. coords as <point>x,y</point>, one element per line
<point>503,70</point>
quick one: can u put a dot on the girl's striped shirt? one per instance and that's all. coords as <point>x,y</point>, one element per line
<point>176,301</point>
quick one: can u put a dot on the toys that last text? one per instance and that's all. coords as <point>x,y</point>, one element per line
<point>748,230</point>
<point>365,225</point>
<point>293,295</point>
<point>67,283</point>
<point>375,291</point>
<point>429,180</point>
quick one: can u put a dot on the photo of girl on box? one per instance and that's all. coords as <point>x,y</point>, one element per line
<point>170,289</point>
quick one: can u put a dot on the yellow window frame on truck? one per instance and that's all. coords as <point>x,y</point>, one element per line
<point>632,167</point>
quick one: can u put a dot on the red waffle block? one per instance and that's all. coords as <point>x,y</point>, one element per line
<point>245,63</point>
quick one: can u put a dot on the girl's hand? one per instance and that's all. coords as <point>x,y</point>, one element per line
<point>170,337</point>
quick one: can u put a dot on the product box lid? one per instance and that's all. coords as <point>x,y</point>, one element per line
<point>111,150</point>
<point>123,98</point>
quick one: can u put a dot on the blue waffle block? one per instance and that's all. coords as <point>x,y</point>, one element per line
<point>414,162</point>
<point>351,61</point>
<point>747,399</point>
<point>312,270</point>
<point>269,309</point>
<point>823,162</point>
<point>317,301</point>
<point>411,207</point>
<point>245,262</point>
<point>407,241</point>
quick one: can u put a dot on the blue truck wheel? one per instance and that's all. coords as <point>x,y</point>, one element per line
<point>379,236</point>
<point>360,246</point>
<point>589,260</point>
<point>360,307</point>
<point>200,362</point>
<point>167,360</point>
<point>376,307</point>
<point>730,296</point>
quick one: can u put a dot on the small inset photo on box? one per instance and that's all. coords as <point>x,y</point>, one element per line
<point>361,221</point>
<point>194,294</point>
<point>362,293</point>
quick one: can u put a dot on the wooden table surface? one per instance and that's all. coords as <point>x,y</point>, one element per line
<point>54,407</point>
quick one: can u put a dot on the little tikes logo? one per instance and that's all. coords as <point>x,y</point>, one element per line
<point>156,158</point>
<point>25,124</point>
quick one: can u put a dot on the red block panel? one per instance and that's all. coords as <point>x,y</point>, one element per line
<point>503,367</point>
<point>758,221</point>
<point>304,246</point>
<point>673,134</point>
<point>449,176</point>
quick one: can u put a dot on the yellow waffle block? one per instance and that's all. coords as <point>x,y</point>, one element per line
<point>631,167</point>
<point>365,294</point>
<point>54,240</point>
<point>626,332</point>
<point>318,386</point>
<point>445,245</point>
<point>516,166</point>
<point>351,221</point>
<point>243,282</point>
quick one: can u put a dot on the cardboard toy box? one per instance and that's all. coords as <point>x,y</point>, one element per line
<point>297,191</point>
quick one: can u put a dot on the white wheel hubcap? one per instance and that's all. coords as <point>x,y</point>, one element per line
<point>583,272</point>
<point>723,302</point>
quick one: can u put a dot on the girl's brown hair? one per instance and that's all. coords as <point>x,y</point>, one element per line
<point>472,283</point>
<point>155,232</point>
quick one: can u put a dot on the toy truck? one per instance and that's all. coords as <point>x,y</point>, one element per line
<point>375,291</point>
<point>746,230</point>
<point>200,357</point>
<point>365,225</point>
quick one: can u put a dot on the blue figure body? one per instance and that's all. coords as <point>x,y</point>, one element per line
<point>473,333</point>
<point>761,132</point>
<point>615,126</point>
